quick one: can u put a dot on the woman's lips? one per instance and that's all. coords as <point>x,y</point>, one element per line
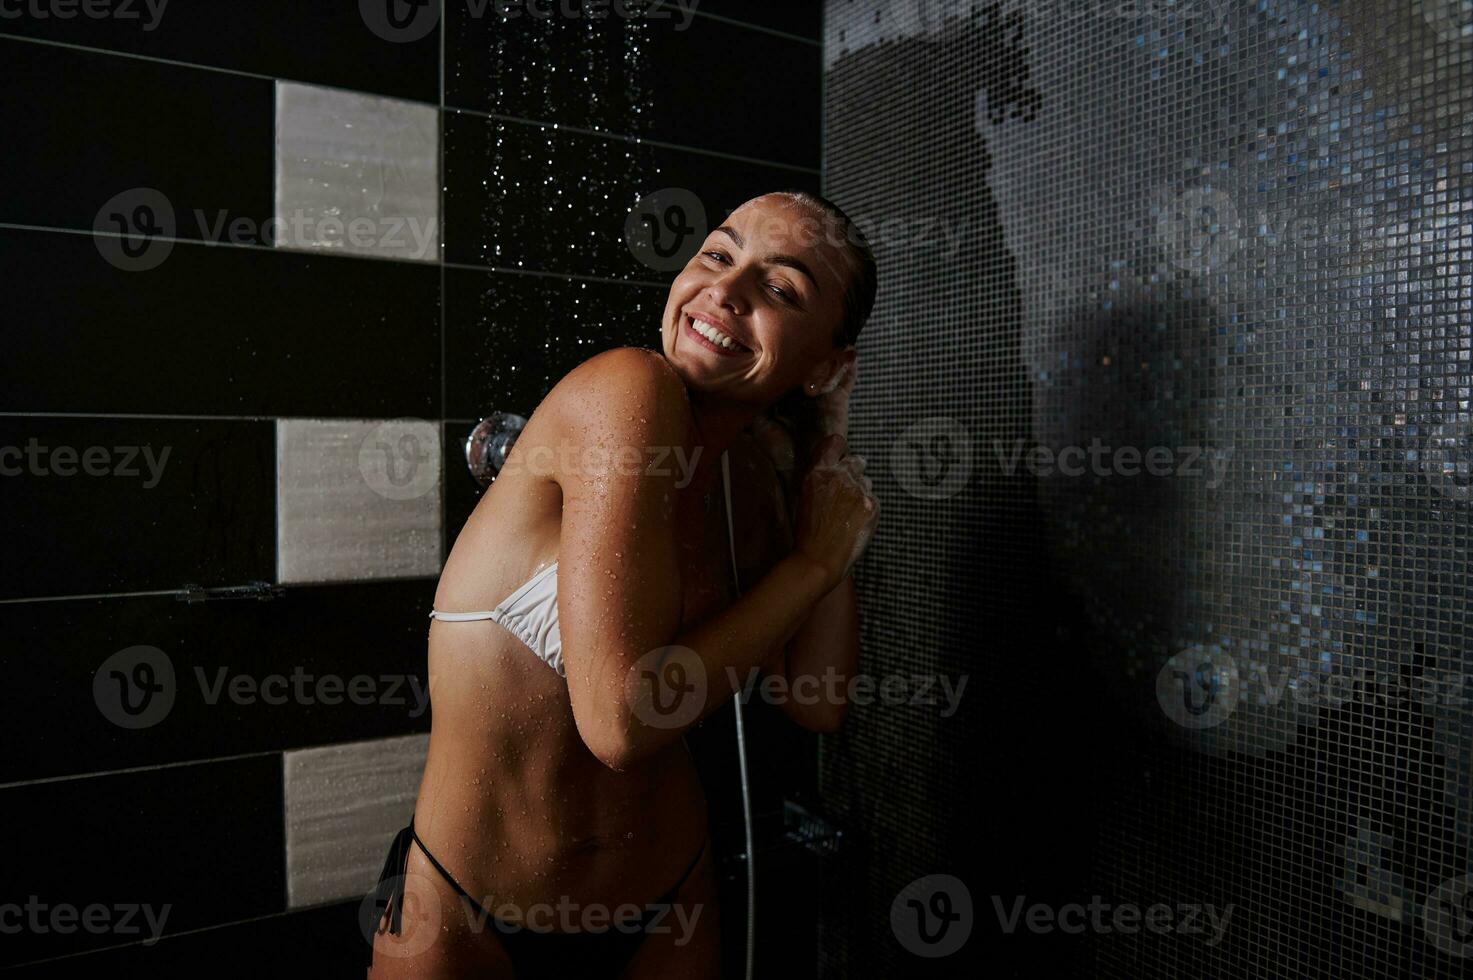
<point>690,331</point>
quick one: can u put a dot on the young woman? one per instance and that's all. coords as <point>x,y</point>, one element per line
<point>587,616</point>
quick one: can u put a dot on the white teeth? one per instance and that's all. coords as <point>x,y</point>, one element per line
<point>712,334</point>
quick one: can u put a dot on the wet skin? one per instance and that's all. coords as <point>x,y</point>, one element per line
<point>512,801</point>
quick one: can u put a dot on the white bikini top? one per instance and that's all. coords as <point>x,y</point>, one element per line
<point>530,613</point>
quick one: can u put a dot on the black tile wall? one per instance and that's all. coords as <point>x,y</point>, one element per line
<point>197,348</point>
<point>509,338</point>
<point>803,18</point>
<point>297,654</point>
<point>83,128</point>
<point>199,845</point>
<point>524,196</point>
<point>320,942</point>
<point>127,505</point>
<point>217,331</point>
<point>277,38</point>
<point>508,67</point>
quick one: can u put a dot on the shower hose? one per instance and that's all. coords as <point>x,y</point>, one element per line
<point>742,747</point>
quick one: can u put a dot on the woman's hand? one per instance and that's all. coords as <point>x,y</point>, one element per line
<point>827,413</point>
<point>837,512</point>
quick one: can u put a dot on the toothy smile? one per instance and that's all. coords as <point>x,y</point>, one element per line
<point>714,335</point>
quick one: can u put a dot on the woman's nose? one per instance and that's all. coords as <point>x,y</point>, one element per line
<point>728,291</point>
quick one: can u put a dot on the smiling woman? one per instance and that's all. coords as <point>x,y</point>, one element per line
<point>590,614</point>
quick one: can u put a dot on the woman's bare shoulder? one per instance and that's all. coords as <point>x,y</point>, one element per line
<point>621,393</point>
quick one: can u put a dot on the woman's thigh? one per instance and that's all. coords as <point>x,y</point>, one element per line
<point>439,938</point>
<point>686,942</point>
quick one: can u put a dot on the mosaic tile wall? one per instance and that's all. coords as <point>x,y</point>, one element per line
<point>1172,368</point>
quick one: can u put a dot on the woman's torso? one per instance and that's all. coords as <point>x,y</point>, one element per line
<point>512,802</point>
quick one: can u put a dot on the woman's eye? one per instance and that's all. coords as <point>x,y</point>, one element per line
<point>715,254</point>
<point>779,290</point>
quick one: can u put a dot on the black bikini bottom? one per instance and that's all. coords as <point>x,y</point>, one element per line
<point>534,954</point>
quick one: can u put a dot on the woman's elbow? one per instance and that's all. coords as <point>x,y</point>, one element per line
<point>609,748</point>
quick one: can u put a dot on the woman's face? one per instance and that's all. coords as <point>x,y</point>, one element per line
<point>772,278</point>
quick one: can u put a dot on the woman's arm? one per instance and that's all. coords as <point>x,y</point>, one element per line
<point>820,660</point>
<point>813,668</point>
<point>619,590</point>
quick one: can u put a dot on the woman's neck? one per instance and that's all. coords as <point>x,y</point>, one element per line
<point>717,425</point>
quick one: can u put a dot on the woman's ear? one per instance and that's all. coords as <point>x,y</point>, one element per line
<point>829,373</point>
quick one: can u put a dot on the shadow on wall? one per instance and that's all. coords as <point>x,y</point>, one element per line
<point>959,581</point>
